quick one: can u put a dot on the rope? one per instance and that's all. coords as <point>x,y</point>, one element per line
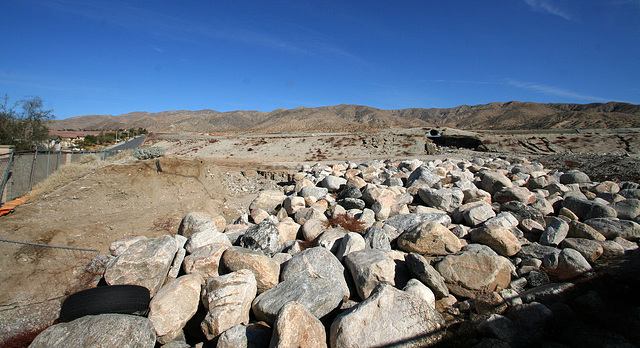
<point>48,246</point>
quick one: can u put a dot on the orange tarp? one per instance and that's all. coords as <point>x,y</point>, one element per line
<point>10,206</point>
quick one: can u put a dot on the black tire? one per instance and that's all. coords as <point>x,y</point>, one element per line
<point>122,299</point>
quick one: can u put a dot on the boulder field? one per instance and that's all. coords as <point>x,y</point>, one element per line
<point>478,253</point>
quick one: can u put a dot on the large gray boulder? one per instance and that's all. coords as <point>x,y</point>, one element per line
<point>118,247</point>
<point>520,194</point>
<point>536,251</point>
<point>389,317</point>
<point>492,182</point>
<point>478,214</point>
<point>350,243</point>
<point>590,249</point>
<point>268,200</point>
<point>498,326</point>
<point>228,301</point>
<point>206,237</point>
<point>263,237</point>
<point>195,222</point>
<point>318,295</point>
<point>316,262</point>
<point>377,238</point>
<point>422,270</point>
<point>104,330</point>
<point>423,176</point>
<point>612,228</point>
<point>568,264</point>
<point>174,305</point>
<point>429,238</point>
<point>574,177</point>
<point>498,238</point>
<point>205,260</point>
<point>628,209</point>
<point>314,191</point>
<point>579,229</point>
<point>555,232</point>
<point>331,238</point>
<point>403,222</point>
<point>522,211</point>
<point>369,268</point>
<point>416,287</point>
<point>470,274</point>
<point>333,183</point>
<point>146,263</point>
<point>586,209</point>
<point>443,199</point>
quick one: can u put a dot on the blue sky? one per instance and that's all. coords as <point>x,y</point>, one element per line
<point>113,57</point>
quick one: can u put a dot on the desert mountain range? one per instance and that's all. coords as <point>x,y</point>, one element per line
<point>493,116</point>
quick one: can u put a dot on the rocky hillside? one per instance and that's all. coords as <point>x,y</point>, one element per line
<point>497,116</point>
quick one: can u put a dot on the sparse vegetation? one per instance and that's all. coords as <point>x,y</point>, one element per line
<point>71,172</point>
<point>148,153</point>
<point>165,224</point>
<point>347,222</point>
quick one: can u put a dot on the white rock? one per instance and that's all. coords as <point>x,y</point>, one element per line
<point>202,238</point>
<point>174,305</point>
<point>228,300</point>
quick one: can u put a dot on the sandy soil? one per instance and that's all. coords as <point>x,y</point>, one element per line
<point>219,175</point>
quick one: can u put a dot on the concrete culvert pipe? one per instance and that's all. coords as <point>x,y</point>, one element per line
<point>434,133</point>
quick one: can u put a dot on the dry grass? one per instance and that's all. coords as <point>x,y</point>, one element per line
<point>350,224</point>
<point>165,224</point>
<point>71,172</point>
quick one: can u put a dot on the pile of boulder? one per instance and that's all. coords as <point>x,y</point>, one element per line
<point>377,254</point>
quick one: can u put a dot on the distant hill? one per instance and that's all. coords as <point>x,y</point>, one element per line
<point>496,116</point>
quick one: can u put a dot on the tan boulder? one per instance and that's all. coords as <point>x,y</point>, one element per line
<point>295,326</point>
<point>500,239</point>
<point>470,274</point>
<point>288,229</point>
<point>266,271</point>
<point>429,238</point>
<point>174,305</point>
<point>205,260</point>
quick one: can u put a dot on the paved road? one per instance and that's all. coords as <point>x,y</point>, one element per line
<point>129,144</point>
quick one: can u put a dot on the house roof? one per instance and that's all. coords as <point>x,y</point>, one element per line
<point>72,134</point>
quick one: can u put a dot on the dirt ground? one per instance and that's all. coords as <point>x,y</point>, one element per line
<point>220,175</point>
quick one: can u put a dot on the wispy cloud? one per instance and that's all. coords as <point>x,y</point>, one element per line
<point>157,49</point>
<point>548,6</point>
<point>552,90</point>
<point>38,82</point>
<point>137,19</point>
<point>460,81</point>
